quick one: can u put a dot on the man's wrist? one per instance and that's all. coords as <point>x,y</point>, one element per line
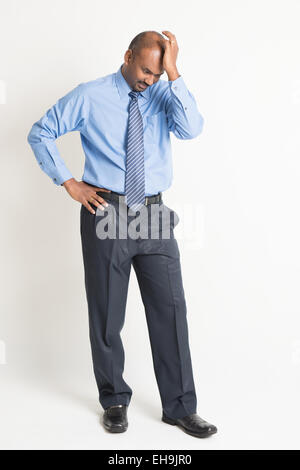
<point>173,74</point>
<point>69,182</point>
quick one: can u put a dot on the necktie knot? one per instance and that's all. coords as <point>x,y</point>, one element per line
<point>134,94</point>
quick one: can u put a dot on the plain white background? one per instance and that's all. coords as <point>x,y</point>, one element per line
<point>240,59</point>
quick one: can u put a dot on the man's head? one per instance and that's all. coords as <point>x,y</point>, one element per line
<point>143,60</point>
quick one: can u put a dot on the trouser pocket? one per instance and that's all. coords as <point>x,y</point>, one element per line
<point>174,217</point>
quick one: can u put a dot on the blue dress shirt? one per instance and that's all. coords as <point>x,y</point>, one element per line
<point>98,109</point>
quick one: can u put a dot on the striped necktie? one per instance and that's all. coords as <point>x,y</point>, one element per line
<point>135,173</point>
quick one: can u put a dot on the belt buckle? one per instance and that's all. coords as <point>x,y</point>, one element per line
<point>146,200</point>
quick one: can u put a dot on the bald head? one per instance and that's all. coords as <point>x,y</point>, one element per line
<point>147,40</point>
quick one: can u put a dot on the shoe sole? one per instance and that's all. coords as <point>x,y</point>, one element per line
<point>115,429</point>
<point>121,428</point>
<point>173,423</point>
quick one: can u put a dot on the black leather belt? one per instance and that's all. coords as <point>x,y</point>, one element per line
<point>112,195</point>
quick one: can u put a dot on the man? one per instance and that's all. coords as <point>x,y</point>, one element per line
<point>125,120</point>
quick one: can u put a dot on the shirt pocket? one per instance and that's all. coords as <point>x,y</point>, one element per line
<point>156,122</point>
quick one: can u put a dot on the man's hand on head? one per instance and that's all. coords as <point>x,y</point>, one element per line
<point>170,56</point>
<point>85,193</point>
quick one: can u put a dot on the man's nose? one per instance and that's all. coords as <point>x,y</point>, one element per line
<point>149,81</point>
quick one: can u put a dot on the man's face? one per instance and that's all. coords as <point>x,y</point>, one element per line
<point>145,69</point>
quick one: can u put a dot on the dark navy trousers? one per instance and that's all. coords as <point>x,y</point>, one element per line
<point>156,262</point>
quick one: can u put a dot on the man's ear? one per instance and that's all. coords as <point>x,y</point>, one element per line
<point>128,57</point>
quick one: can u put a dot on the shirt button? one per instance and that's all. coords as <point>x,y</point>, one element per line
<point>54,179</point>
<point>185,108</point>
<point>41,163</point>
<point>175,87</point>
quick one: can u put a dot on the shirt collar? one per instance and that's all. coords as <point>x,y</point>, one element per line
<point>124,88</point>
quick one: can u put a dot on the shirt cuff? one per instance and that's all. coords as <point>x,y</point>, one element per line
<point>180,90</point>
<point>50,163</point>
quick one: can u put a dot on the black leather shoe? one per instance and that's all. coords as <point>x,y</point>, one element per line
<point>193,425</point>
<point>115,418</point>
